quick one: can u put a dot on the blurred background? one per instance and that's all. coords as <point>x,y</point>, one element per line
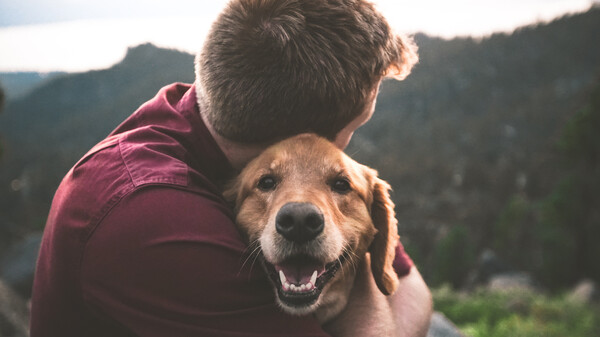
<point>492,144</point>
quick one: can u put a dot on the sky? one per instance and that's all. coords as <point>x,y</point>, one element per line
<point>79,35</point>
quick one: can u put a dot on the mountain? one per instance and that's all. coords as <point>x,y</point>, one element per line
<point>473,126</point>
<point>18,84</point>
<point>46,131</point>
<point>477,123</point>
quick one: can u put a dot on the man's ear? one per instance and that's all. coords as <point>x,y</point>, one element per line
<point>384,244</point>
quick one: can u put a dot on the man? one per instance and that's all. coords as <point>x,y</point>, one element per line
<point>139,241</point>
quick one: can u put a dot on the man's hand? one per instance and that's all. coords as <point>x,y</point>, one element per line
<point>406,313</point>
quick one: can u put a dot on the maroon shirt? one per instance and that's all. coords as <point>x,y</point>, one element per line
<point>139,240</point>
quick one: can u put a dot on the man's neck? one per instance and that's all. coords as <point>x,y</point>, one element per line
<point>238,154</point>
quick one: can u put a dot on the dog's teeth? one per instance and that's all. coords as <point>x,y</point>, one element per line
<point>282,277</point>
<point>287,286</point>
<point>313,279</point>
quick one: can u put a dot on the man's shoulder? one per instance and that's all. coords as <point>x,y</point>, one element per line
<point>121,165</point>
<point>174,214</point>
<point>143,154</point>
<point>116,166</point>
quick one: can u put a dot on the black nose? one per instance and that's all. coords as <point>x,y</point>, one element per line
<point>299,222</point>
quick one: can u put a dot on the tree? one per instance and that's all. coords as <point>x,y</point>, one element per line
<point>453,257</point>
<point>1,107</point>
<point>570,222</point>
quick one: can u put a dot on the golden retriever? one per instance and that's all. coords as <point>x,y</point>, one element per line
<point>310,213</point>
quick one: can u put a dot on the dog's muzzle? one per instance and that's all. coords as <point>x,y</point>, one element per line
<point>299,222</point>
<point>300,277</point>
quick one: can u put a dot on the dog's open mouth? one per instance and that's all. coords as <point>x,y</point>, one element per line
<point>300,279</point>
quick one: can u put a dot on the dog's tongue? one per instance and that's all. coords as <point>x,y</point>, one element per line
<point>300,271</point>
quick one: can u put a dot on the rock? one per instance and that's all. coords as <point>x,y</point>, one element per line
<point>18,265</point>
<point>585,292</point>
<point>441,326</point>
<point>511,281</point>
<point>488,265</point>
<point>14,314</point>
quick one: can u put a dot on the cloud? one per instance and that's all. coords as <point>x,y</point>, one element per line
<point>27,12</point>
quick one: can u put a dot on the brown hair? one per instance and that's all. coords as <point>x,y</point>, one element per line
<point>270,69</point>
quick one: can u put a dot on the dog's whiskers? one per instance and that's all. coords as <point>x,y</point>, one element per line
<point>352,259</point>
<point>255,258</point>
<point>256,250</point>
<point>354,153</point>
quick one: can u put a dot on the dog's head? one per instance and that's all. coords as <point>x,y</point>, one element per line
<point>314,212</point>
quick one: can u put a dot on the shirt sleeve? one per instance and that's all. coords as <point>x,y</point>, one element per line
<point>402,262</point>
<point>169,262</point>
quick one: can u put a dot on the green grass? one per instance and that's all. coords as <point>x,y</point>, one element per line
<point>518,313</point>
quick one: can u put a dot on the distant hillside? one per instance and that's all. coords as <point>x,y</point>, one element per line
<point>47,131</point>
<point>475,124</point>
<point>18,84</point>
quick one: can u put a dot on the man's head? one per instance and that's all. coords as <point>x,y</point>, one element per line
<point>270,69</point>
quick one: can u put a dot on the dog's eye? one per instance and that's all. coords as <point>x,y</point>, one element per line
<point>267,183</point>
<point>341,185</point>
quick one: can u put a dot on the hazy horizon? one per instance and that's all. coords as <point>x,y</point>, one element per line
<point>77,35</point>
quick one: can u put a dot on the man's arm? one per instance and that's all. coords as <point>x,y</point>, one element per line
<point>168,262</point>
<point>412,305</point>
<point>406,313</point>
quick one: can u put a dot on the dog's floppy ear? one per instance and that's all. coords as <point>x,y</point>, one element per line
<point>384,244</point>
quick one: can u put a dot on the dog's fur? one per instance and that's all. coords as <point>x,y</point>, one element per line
<point>356,210</point>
